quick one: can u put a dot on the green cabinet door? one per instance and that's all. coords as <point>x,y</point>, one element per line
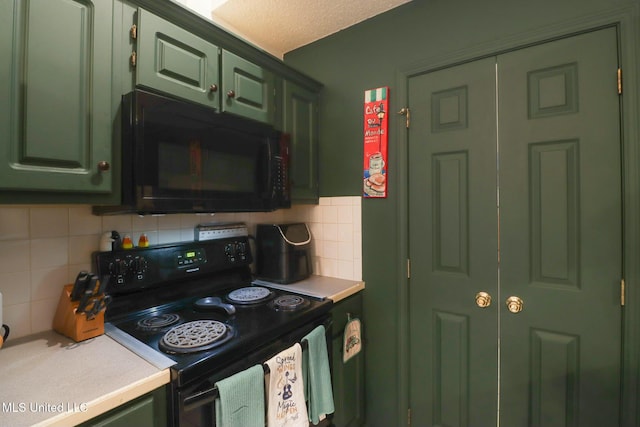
<point>147,410</point>
<point>347,377</point>
<point>173,60</point>
<point>301,123</point>
<point>55,95</point>
<point>247,89</point>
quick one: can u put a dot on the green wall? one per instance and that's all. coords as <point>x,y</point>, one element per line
<point>382,51</point>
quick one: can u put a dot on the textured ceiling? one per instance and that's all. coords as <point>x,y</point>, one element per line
<point>279,26</point>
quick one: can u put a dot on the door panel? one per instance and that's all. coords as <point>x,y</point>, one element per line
<point>301,123</point>
<point>55,142</point>
<point>454,244</point>
<point>248,89</point>
<point>560,206</point>
<point>175,61</point>
<point>536,130</point>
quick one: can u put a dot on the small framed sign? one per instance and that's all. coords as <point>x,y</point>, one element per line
<point>376,106</point>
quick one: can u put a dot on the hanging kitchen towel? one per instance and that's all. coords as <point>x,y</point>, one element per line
<point>241,402</point>
<point>317,376</point>
<point>352,340</point>
<point>285,390</point>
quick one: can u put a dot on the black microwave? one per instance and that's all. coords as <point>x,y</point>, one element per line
<point>181,157</point>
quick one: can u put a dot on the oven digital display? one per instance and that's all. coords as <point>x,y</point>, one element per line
<point>190,258</point>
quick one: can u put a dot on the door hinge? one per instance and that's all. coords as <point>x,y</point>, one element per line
<point>619,81</point>
<point>133,59</point>
<point>408,416</point>
<point>408,268</point>
<point>622,290</point>
<point>407,115</point>
<point>133,32</point>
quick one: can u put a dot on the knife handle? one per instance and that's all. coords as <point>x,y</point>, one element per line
<point>103,284</point>
<point>79,285</point>
<point>84,301</point>
<point>93,283</point>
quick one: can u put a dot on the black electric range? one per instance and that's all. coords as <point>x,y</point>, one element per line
<point>194,305</point>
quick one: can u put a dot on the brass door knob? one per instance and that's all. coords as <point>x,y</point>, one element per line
<point>103,166</point>
<point>515,304</point>
<point>483,299</point>
<point>231,94</point>
<point>213,88</point>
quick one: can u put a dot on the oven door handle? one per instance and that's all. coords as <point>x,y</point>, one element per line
<point>209,395</point>
<point>200,398</point>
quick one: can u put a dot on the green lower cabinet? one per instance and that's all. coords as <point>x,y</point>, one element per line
<point>55,95</point>
<point>347,378</point>
<point>149,410</point>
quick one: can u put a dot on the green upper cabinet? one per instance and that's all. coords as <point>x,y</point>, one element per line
<point>247,89</point>
<point>173,60</point>
<point>55,95</point>
<point>300,121</point>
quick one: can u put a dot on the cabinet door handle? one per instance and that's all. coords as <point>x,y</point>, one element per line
<point>213,88</point>
<point>103,166</point>
<point>231,94</point>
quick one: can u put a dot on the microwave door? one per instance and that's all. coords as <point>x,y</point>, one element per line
<point>217,170</point>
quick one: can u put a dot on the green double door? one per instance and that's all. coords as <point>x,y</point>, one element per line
<point>515,238</point>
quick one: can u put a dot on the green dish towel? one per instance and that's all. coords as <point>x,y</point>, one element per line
<point>317,376</point>
<point>241,402</point>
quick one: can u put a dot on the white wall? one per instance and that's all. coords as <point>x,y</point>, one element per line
<point>42,248</point>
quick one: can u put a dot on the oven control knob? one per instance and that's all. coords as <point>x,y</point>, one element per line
<point>121,267</point>
<point>118,269</point>
<point>230,252</point>
<point>241,250</point>
<point>139,267</point>
<point>114,274</point>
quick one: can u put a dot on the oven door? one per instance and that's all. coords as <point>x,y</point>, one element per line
<point>194,404</point>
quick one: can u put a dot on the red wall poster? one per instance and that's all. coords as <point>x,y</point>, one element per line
<point>376,105</point>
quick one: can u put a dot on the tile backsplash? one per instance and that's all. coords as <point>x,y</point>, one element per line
<point>42,248</point>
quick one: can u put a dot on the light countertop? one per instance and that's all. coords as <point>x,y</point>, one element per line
<point>319,287</point>
<point>47,379</point>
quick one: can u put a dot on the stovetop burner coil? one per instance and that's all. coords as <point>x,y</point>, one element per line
<point>197,335</point>
<point>289,302</point>
<point>250,295</point>
<point>158,322</point>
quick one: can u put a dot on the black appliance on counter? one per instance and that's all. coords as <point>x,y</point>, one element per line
<point>179,156</point>
<point>283,252</point>
<point>191,307</point>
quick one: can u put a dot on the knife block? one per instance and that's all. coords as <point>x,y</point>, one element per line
<point>76,325</point>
